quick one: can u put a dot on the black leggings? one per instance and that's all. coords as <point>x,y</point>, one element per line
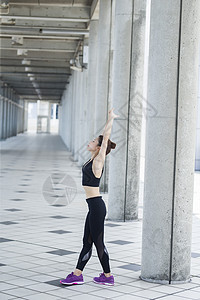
<point>94,232</point>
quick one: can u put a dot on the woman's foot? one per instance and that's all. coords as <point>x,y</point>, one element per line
<point>107,274</point>
<point>102,279</point>
<point>72,279</point>
<point>77,272</point>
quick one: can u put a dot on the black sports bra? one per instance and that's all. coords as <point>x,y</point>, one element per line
<point>89,179</point>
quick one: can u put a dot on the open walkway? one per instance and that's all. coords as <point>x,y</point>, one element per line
<point>42,216</point>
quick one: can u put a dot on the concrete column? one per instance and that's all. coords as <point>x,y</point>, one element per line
<point>61,127</point>
<point>85,115</point>
<point>77,113</point>
<point>75,110</point>
<point>83,126</point>
<point>26,115</point>
<point>73,114</point>
<point>92,80</point>
<point>69,107</point>
<point>127,90</point>
<point>5,112</point>
<point>170,141</point>
<point>197,157</point>
<point>15,117</point>
<point>64,122</point>
<point>48,119</point>
<point>66,114</point>
<point>1,117</point>
<point>75,96</point>
<point>135,110</point>
<point>1,110</point>
<point>9,114</point>
<point>70,99</point>
<point>103,72</point>
<point>83,152</point>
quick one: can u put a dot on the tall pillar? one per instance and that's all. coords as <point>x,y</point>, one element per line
<point>73,114</point>
<point>66,115</point>
<point>11,115</point>
<point>127,90</point>
<point>70,99</point>
<point>5,109</point>
<point>15,116</point>
<point>1,110</point>
<point>170,141</point>
<point>83,125</point>
<point>92,79</point>
<point>197,156</point>
<point>103,72</point>
<point>9,110</point>
<point>77,112</point>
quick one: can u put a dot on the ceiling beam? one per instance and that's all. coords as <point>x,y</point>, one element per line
<point>42,24</point>
<point>39,87</point>
<point>45,97</point>
<point>42,56</point>
<point>41,74</point>
<point>35,64</point>
<point>38,36</point>
<point>51,13</point>
<point>41,94</point>
<point>79,3</point>
<point>37,79</point>
<point>30,69</point>
<point>39,32</point>
<point>39,44</point>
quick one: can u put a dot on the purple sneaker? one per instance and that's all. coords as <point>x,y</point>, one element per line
<point>102,279</point>
<point>72,279</point>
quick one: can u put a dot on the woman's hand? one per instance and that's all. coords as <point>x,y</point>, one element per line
<point>111,117</point>
<point>111,114</point>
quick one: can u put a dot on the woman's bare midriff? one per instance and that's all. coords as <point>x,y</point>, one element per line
<point>91,191</point>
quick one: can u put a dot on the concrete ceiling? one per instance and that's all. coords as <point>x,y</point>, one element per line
<point>38,40</point>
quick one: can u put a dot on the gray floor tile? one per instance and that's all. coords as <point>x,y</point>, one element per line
<point>41,241</point>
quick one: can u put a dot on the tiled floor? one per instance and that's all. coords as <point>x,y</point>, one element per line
<point>43,211</point>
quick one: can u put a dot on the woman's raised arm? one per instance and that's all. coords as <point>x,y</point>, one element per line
<point>108,126</point>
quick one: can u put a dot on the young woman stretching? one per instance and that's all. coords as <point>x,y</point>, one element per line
<point>94,223</point>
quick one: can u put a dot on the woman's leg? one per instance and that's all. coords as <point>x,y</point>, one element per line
<point>96,221</point>
<point>86,251</point>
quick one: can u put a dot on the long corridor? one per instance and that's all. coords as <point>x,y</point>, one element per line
<point>43,211</point>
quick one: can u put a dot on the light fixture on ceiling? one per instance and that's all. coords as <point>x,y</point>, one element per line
<point>76,63</point>
<point>17,40</point>
<point>35,84</point>
<point>4,7</point>
<point>7,21</point>
<point>22,51</point>
<point>28,69</point>
<point>26,62</point>
<point>5,3</point>
<point>76,68</point>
